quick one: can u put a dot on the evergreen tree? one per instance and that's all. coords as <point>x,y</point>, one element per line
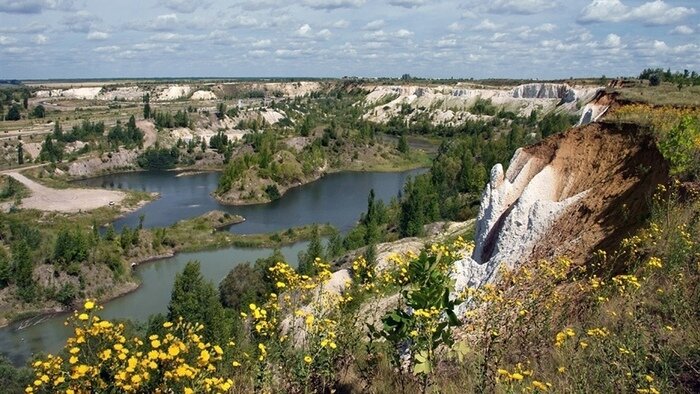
<point>71,246</point>
<point>403,144</point>
<point>22,270</point>
<point>196,300</point>
<point>13,113</point>
<point>147,106</point>
<point>57,131</point>
<point>51,151</point>
<point>20,154</point>
<point>335,245</point>
<point>5,269</point>
<point>314,250</point>
<point>39,111</point>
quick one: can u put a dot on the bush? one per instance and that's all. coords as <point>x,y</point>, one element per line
<point>272,192</point>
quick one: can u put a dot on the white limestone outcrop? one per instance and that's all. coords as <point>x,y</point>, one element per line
<point>591,113</point>
<point>451,105</point>
<point>517,209</point>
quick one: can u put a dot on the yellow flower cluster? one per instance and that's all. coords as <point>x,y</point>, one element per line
<point>524,377</point>
<point>625,283</point>
<point>101,358</point>
<point>562,336</point>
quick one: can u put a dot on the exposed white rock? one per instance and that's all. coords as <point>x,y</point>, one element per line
<point>591,113</point>
<point>203,95</point>
<point>451,104</point>
<point>174,92</point>
<point>81,93</point>
<point>517,209</point>
<point>123,159</point>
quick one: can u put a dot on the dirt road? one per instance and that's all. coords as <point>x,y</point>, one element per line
<point>65,200</point>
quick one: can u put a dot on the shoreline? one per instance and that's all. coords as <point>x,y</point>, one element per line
<point>234,203</point>
<point>134,285</point>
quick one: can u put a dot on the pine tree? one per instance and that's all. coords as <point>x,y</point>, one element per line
<point>314,250</point>
<point>196,300</point>
<point>403,144</point>
<point>20,154</point>
<point>22,270</point>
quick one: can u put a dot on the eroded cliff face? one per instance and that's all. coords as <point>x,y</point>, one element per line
<point>452,105</point>
<point>569,195</point>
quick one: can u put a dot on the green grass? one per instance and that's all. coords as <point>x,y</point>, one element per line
<point>664,94</point>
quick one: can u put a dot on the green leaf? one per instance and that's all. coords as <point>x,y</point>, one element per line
<point>423,365</point>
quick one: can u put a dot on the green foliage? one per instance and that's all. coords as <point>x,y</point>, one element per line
<point>167,120</point>
<point>681,147</point>
<point>426,319</point>
<point>71,246</point>
<point>554,123</point>
<point>13,188</point>
<point>14,380</point>
<point>5,269</point>
<point>219,141</point>
<point>130,137</point>
<point>272,192</point>
<point>86,131</point>
<point>51,151</point>
<point>20,153</point>
<point>196,300</point>
<point>657,75</point>
<point>13,113</point>
<point>418,207</point>
<point>155,158</point>
<point>39,111</point>
<point>67,295</point>
<point>249,284</point>
<point>483,107</point>
<point>403,145</point>
<point>22,268</point>
<point>313,251</point>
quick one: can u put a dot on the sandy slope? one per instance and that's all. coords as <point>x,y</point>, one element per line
<point>65,200</point>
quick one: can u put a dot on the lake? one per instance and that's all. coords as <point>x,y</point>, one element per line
<point>337,199</point>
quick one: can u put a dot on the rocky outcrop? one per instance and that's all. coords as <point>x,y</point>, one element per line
<point>562,92</point>
<point>564,196</point>
<point>451,105</point>
<point>108,162</point>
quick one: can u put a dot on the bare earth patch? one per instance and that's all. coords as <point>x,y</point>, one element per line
<point>65,200</point>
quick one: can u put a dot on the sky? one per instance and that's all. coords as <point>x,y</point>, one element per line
<point>544,39</point>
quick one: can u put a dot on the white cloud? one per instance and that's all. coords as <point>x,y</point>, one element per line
<point>376,24</point>
<point>261,43</point>
<point>521,7</point>
<point>239,21</point>
<point>35,6</point>
<point>612,41</point>
<point>81,22</point>
<point>304,31</point>
<point>333,4</point>
<point>185,6</point>
<point>325,34</point>
<point>455,27</point>
<point>655,12</point>
<point>683,30</point>
<point>446,42</point>
<point>40,39</point>
<point>5,40</point>
<point>486,25</point>
<point>403,33</point>
<point>111,48</point>
<point>408,3</point>
<point>341,24</point>
<point>97,36</point>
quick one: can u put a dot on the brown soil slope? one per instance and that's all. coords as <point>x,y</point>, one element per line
<point>619,167</point>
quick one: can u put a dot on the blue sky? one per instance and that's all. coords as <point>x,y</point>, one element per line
<point>333,38</point>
